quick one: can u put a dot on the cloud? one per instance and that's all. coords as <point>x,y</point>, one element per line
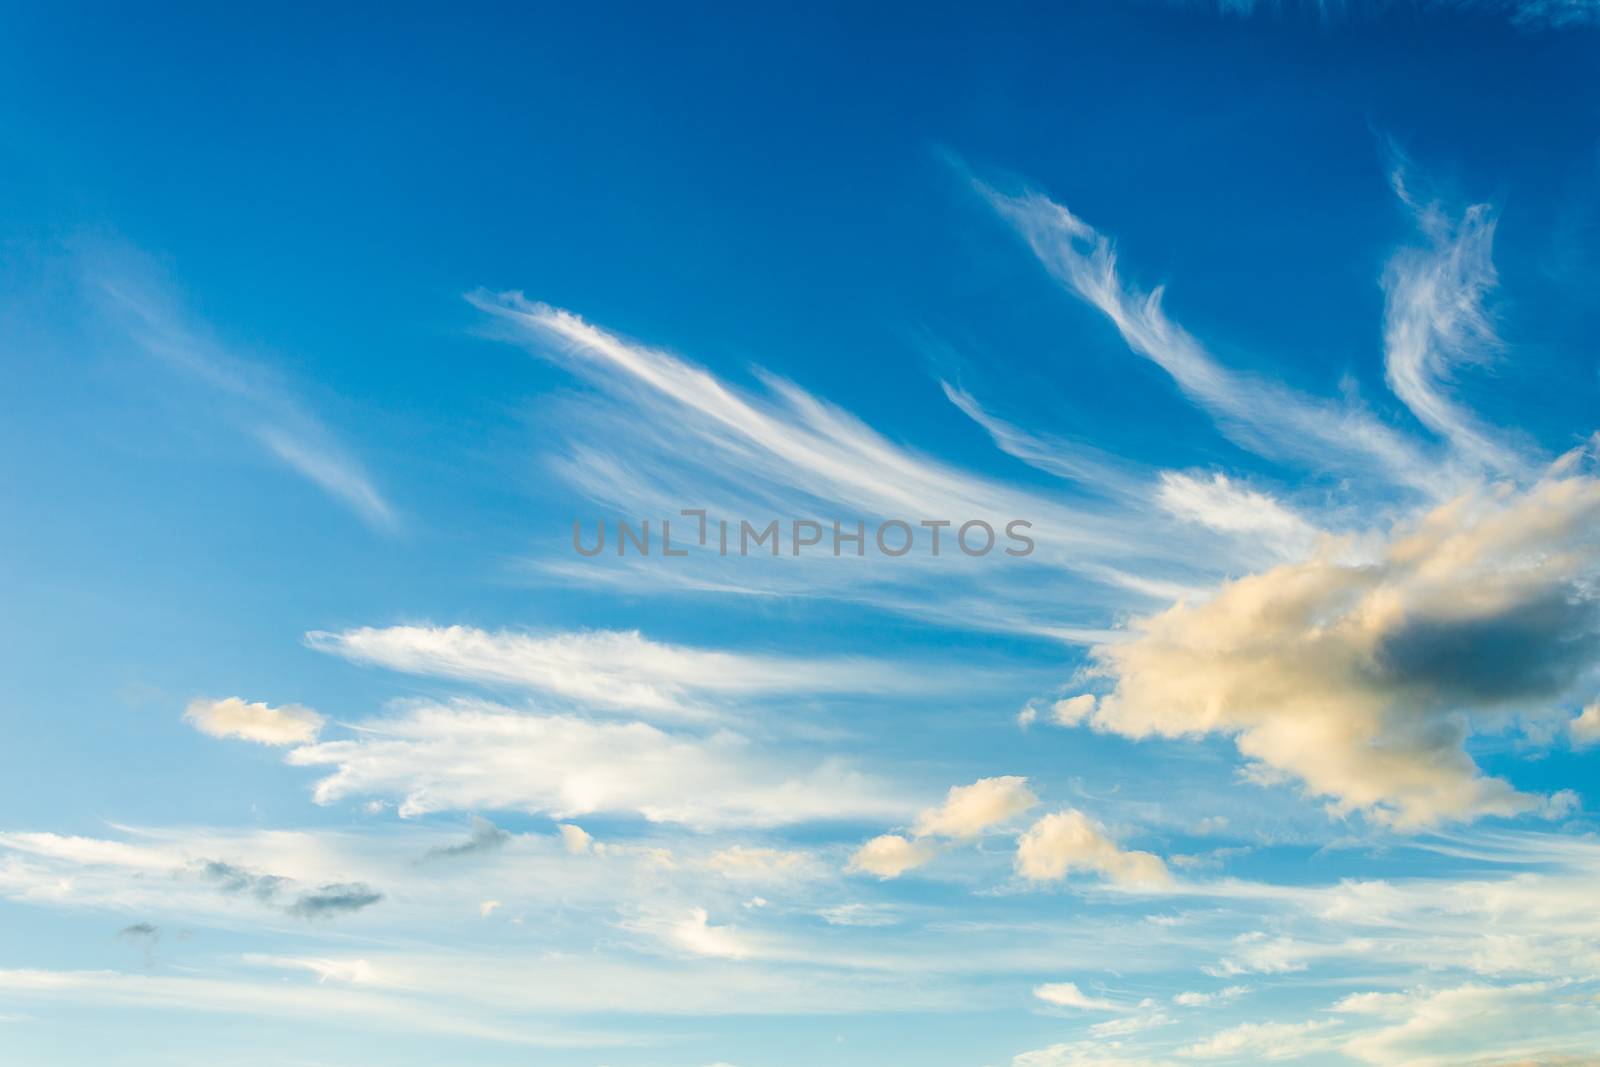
<point>1435,320</point>
<point>604,670</point>
<point>247,392</point>
<point>1584,728</point>
<point>1263,416</point>
<point>969,810</point>
<point>1200,1000</point>
<point>1068,841</point>
<point>1361,677</point>
<point>486,837</point>
<point>890,855</point>
<point>1222,504</point>
<point>1068,995</point>
<point>289,724</point>
<point>575,839</point>
<point>331,899</point>
<point>474,755</point>
<point>762,864</point>
<point>1553,1022</point>
<point>1264,1041</point>
<point>234,879</point>
<point>336,899</point>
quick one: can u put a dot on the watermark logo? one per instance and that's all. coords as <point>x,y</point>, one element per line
<point>697,532</point>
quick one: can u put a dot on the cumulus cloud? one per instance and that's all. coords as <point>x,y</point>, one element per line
<point>289,724</point>
<point>1362,678</point>
<point>891,855</point>
<point>1584,728</point>
<point>473,755</point>
<point>969,810</point>
<point>575,839</point>
<point>1069,841</point>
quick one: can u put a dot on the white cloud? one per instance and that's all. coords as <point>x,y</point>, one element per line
<point>1264,1041</point>
<point>289,724</point>
<point>1359,678</point>
<point>1073,710</point>
<point>1261,415</point>
<point>1068,995</point>
<point>969,810</point>
<point>890,855</point>
<point>1525,1023</point>
<point>576,840</point>
<point>603,669</point>
<point>1584,728</point>
<point>1222,504</point>
<point>1068,841</point>
<point>762,864</point>
<point>477,756</point>
<point>1200,1000</point>
<point>695,934</point>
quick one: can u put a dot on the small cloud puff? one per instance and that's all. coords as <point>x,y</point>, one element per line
<point>289,724</point>
<point>1067,841</point>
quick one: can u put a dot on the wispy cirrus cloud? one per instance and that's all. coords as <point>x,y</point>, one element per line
<point>250,394</point>
<point>616,671</point>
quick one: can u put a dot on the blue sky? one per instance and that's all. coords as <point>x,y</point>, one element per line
<point>324,746</point>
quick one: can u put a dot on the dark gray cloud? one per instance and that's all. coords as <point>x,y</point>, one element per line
<point>141,932</point>
<point>337,899</point>
<point>271,889</point>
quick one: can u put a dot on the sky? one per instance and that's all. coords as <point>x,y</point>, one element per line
<point>1240,356</point>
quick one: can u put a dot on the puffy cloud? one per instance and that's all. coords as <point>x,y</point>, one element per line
<point>472,755</point>
<point>575,839</point>
<point>1361,677</point>
<point>1584,728</point>
<point>289,724</point>
<point>968,810</point>
<point>891,855</point>
<point>696,935</point>
<point>1068,841</point>
<point>1068,995</point>
<point>1072,710</point>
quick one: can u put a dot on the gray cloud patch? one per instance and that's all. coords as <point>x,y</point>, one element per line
<point>232,879</point>
<point>486,837</point>
<point>334,900</point>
